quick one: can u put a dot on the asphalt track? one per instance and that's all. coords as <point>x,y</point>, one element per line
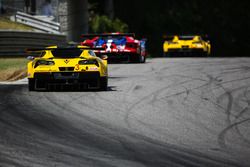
<point>167,112</point>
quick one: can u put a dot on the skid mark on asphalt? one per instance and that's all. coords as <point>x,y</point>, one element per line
<point>228,109</point>
<point>153,96</point>
<point>232,120</point>
<point>244,111</point>
<point>67,129</point>
<point>221,136</point>
<point>241,112</point>
<point>141,100</point>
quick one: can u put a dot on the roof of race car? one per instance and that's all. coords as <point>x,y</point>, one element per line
<point>61,48</point>
<point>63,51</point>
<point>184,37</point>
<point>108,35</point>
<point>116,38</point>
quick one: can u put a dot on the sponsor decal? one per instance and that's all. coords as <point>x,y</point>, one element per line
<point>120,47</point>
<point>93,68</point>
<point>66,61</point>
<point>77,67</point>
<point>109,43</point>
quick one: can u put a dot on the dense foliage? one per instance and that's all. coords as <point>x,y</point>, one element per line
<point>226,22</point>
<point>100,24</point>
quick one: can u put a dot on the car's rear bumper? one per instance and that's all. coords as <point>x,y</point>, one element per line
<point>119,56</point>
<point>75,80</point>
<point>186,52</point>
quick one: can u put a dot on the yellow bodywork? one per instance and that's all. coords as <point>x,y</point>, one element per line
<point>186,45</point>
<point>81,70</point>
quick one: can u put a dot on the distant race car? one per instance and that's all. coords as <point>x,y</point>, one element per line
<point>118,46</point>
<point>62,67</point>
<point>191,45</point>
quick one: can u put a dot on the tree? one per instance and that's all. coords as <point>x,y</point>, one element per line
<point>225,22</point>
<point>109,9</point>
<point>78,18</point>
<point>33,7</point>
<point>101,24</point>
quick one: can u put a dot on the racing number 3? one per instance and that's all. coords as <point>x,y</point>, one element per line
<point>77,67</point>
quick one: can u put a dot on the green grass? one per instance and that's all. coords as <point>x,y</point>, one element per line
<point>12,63</point>
<point>6,24</point>
<point>12,68</point>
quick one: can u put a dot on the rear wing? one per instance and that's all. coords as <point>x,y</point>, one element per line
<point>108,35</point>
<point>205,37</point>
<point>60,52</point>
<point>61,49</point>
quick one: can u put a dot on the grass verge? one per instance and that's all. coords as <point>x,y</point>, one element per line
<point>6,24</point>
<point>12,69</point>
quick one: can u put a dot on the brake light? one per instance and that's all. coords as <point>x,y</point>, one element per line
<point>87,44</point>
<point>113,46</point>
<point>104,46</point>
<point>88,62</point>
<point>197,43</point>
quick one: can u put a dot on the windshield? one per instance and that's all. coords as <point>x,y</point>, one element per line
<point>69,53</point>
<point>186,37</point>
<point>118,40</point>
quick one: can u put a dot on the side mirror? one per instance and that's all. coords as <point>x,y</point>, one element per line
<point>104,57</point>
<point>30,58</point>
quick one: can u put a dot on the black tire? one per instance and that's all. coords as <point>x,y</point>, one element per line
<point>165,54</point>
<point>142,59</point>
<point>137,58</point>
<point>133,58</point>
<point>207,54</point>
<point>31,84</point>
<point>104,84</point>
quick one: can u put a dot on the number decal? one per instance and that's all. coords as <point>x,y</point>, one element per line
<point>77,67</point>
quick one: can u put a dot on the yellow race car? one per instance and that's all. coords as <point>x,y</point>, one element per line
<point>190,45</point>
<point>67,67</point>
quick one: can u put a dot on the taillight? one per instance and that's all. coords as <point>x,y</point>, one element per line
<point>113,46</point>
<point>87,44</point>
<point>104,46</point>
<point>196,43</point>
<point>44,62</point>
<point>88,62</point>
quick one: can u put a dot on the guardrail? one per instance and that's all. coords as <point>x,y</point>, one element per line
<point>38,23</point>
<point>14,43</point>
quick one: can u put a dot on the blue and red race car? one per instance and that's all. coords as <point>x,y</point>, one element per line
<point>118,46</point>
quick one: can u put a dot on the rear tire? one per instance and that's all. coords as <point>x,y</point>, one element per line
<point>137,58</point>
<point>104,84</point>
<point>31,84</point>
<point>165,54</point>
<point>142,59</point>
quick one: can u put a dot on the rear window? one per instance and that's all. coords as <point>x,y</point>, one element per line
<point>92,53</point>
<point>186,37</point>
<point>120,41</point>
<point>67,53</point>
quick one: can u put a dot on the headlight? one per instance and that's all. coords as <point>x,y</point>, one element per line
<point>88,62</point>
<point>44,62</point>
